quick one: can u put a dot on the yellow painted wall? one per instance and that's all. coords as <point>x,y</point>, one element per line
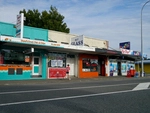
<point>146,68</point>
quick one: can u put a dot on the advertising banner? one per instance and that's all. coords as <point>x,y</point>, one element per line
<point>129,66</point>
<point>123,67</point>
<point>56,73</point>
<point>125,45</point>
<point>113,68</point>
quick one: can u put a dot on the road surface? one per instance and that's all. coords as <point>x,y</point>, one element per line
<point>122,96</point>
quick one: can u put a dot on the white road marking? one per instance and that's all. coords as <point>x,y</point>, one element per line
<point>142,86</point>
<point>65,98</point>
<point>44,90</point>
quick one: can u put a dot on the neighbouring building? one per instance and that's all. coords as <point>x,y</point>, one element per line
<point>146,65</point>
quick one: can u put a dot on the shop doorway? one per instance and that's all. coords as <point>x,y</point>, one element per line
<point>71,62</point>
<point>101,67</point>
<point>36,66</point>
<point>119,69</point>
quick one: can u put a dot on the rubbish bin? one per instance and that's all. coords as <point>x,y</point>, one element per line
<point>128,74</point>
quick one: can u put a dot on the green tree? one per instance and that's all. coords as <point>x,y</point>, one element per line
<point>51,20</point>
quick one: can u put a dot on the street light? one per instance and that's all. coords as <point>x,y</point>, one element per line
<point>142,71</point>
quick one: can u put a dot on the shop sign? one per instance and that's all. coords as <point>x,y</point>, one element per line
<point>77,41</point>
<point>19,25</point>
<point>32,41</point>
<point>137,53</point>
<point>12,39</point>
<point>126,51</point>
<point>28,41</point>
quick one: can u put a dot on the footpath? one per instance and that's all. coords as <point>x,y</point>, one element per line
<point>73,80</point>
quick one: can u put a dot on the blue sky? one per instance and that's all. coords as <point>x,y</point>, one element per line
<point>113,20</point>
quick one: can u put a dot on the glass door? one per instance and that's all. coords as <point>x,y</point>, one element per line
<point>36,66</point>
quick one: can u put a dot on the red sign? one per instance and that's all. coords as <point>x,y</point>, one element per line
<point>56,73</point>
<point>126,51</point>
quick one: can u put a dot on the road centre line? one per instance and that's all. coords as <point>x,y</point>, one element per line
<point>44,90</point>
<point>65,98</point>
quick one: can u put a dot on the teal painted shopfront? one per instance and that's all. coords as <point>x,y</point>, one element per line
<point>22,58</point>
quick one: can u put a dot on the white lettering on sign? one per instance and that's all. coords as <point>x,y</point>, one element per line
<point>126,51</point>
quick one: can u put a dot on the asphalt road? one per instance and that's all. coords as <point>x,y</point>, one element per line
<point>77,97</point>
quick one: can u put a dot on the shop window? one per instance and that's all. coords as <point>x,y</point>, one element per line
<point>9,56</point>
<point>19,71</point>
<point>11,71</point>
<point>89,65</point>
<point>56,60</point>
<point>36,60</point>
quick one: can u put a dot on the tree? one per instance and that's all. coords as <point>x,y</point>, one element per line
<point>51,20</point>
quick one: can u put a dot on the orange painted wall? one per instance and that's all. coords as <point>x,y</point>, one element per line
<point>2,67</point>
<point>86,74</point>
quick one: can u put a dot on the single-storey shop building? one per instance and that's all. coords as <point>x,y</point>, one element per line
<point>44,54</point>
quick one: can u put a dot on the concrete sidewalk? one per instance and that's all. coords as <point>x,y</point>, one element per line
<point>73,80</point>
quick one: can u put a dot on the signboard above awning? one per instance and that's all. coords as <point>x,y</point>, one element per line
<point>130,52</point>
<point>77,41</point>
<point>19,25</point>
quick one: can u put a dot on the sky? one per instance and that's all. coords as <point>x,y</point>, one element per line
<point>113,20</point>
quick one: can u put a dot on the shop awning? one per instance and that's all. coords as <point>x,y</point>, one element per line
<point>114,54</point>
<point>49,46</point>
<point>132,57</point>
<point>108,52</point>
